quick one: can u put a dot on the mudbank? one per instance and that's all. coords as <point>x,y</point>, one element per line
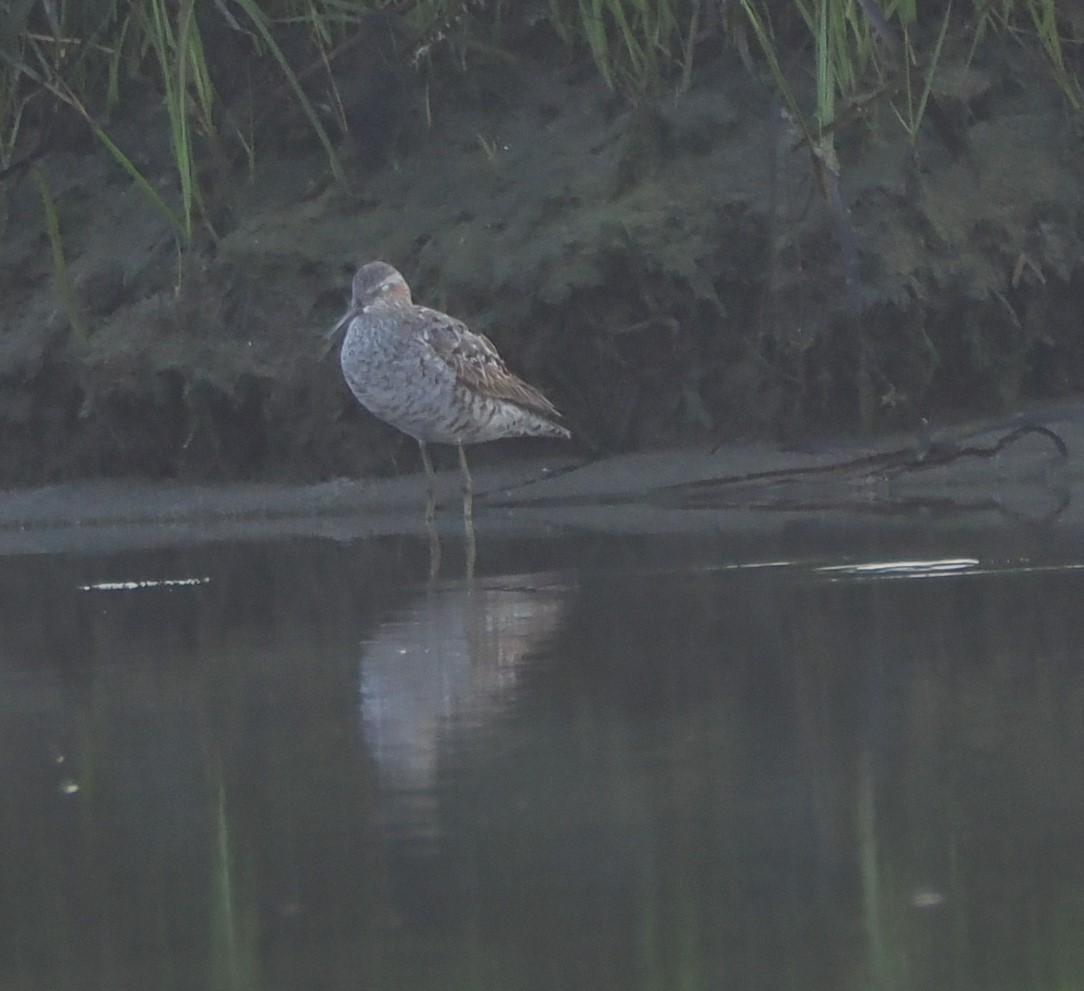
<point>666,272</point>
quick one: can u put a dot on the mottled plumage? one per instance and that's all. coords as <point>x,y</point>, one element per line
<point>428,375</point>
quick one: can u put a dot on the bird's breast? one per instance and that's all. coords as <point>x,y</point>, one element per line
<point>398,379</point>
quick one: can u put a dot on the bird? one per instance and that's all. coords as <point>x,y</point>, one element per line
<point>429,376</point>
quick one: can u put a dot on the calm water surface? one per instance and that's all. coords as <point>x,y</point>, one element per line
<point>827,758</point>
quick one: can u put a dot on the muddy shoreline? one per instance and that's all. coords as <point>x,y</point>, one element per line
<point>991,477</point>
<point>669,275</point>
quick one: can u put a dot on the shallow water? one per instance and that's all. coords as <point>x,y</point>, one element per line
<point>824,755</point>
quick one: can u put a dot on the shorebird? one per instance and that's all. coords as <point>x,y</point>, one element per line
<point>426,374</point>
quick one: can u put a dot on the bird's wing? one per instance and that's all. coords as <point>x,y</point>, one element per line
<point>475,362</point>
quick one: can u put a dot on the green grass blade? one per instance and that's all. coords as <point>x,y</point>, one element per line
<point>165,45</point>
<point>1044,17</point>
<point>826,85</point>
<point>776,72</point>
<point>60,266</point>
<point>139,179</point>
<point>935,61</point>
<point>594,27</point>
<point>260,20</point>
<point>634,51</point>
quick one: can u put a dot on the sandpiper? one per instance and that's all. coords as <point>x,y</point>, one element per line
<point>426,374</point>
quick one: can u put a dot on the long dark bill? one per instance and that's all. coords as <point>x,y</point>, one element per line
<point>331,335</point>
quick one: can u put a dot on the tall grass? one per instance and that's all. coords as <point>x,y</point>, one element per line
<point>180,60</point>
<point>82,54</point>
<point>633,42</point>
<point>855,46</point>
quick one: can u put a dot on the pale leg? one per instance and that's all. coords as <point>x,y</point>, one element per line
<point>434,548</point>
<point>468,486</point>
<point>471,546</point>
<point>430,482</point>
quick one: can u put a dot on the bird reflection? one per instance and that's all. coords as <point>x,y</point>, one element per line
<point>470,548</point>
<point>441,669</point>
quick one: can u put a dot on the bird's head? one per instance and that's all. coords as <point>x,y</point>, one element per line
<point>374,283</point>
<point>378,282</point>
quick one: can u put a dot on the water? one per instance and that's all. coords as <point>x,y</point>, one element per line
<point>713,760</point>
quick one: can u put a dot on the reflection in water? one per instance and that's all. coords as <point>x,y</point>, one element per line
<point>446,664</point>
<point>653,764</point>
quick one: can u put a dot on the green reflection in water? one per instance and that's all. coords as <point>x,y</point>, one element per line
<point>235,925</point>
<point>690,780</point>
<point>669,942</point>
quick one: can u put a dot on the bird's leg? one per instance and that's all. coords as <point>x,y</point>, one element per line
<point>434,548</point>
<point>472,547</point>
<point>430,482</point>
<point>468,485</point>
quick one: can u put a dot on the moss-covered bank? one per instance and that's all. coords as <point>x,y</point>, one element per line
<point>667,272</point>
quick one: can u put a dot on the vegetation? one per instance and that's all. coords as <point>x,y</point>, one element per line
<point>81,57</point>
<point>60,265</point>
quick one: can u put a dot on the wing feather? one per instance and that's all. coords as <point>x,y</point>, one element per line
<point>476,363</point>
